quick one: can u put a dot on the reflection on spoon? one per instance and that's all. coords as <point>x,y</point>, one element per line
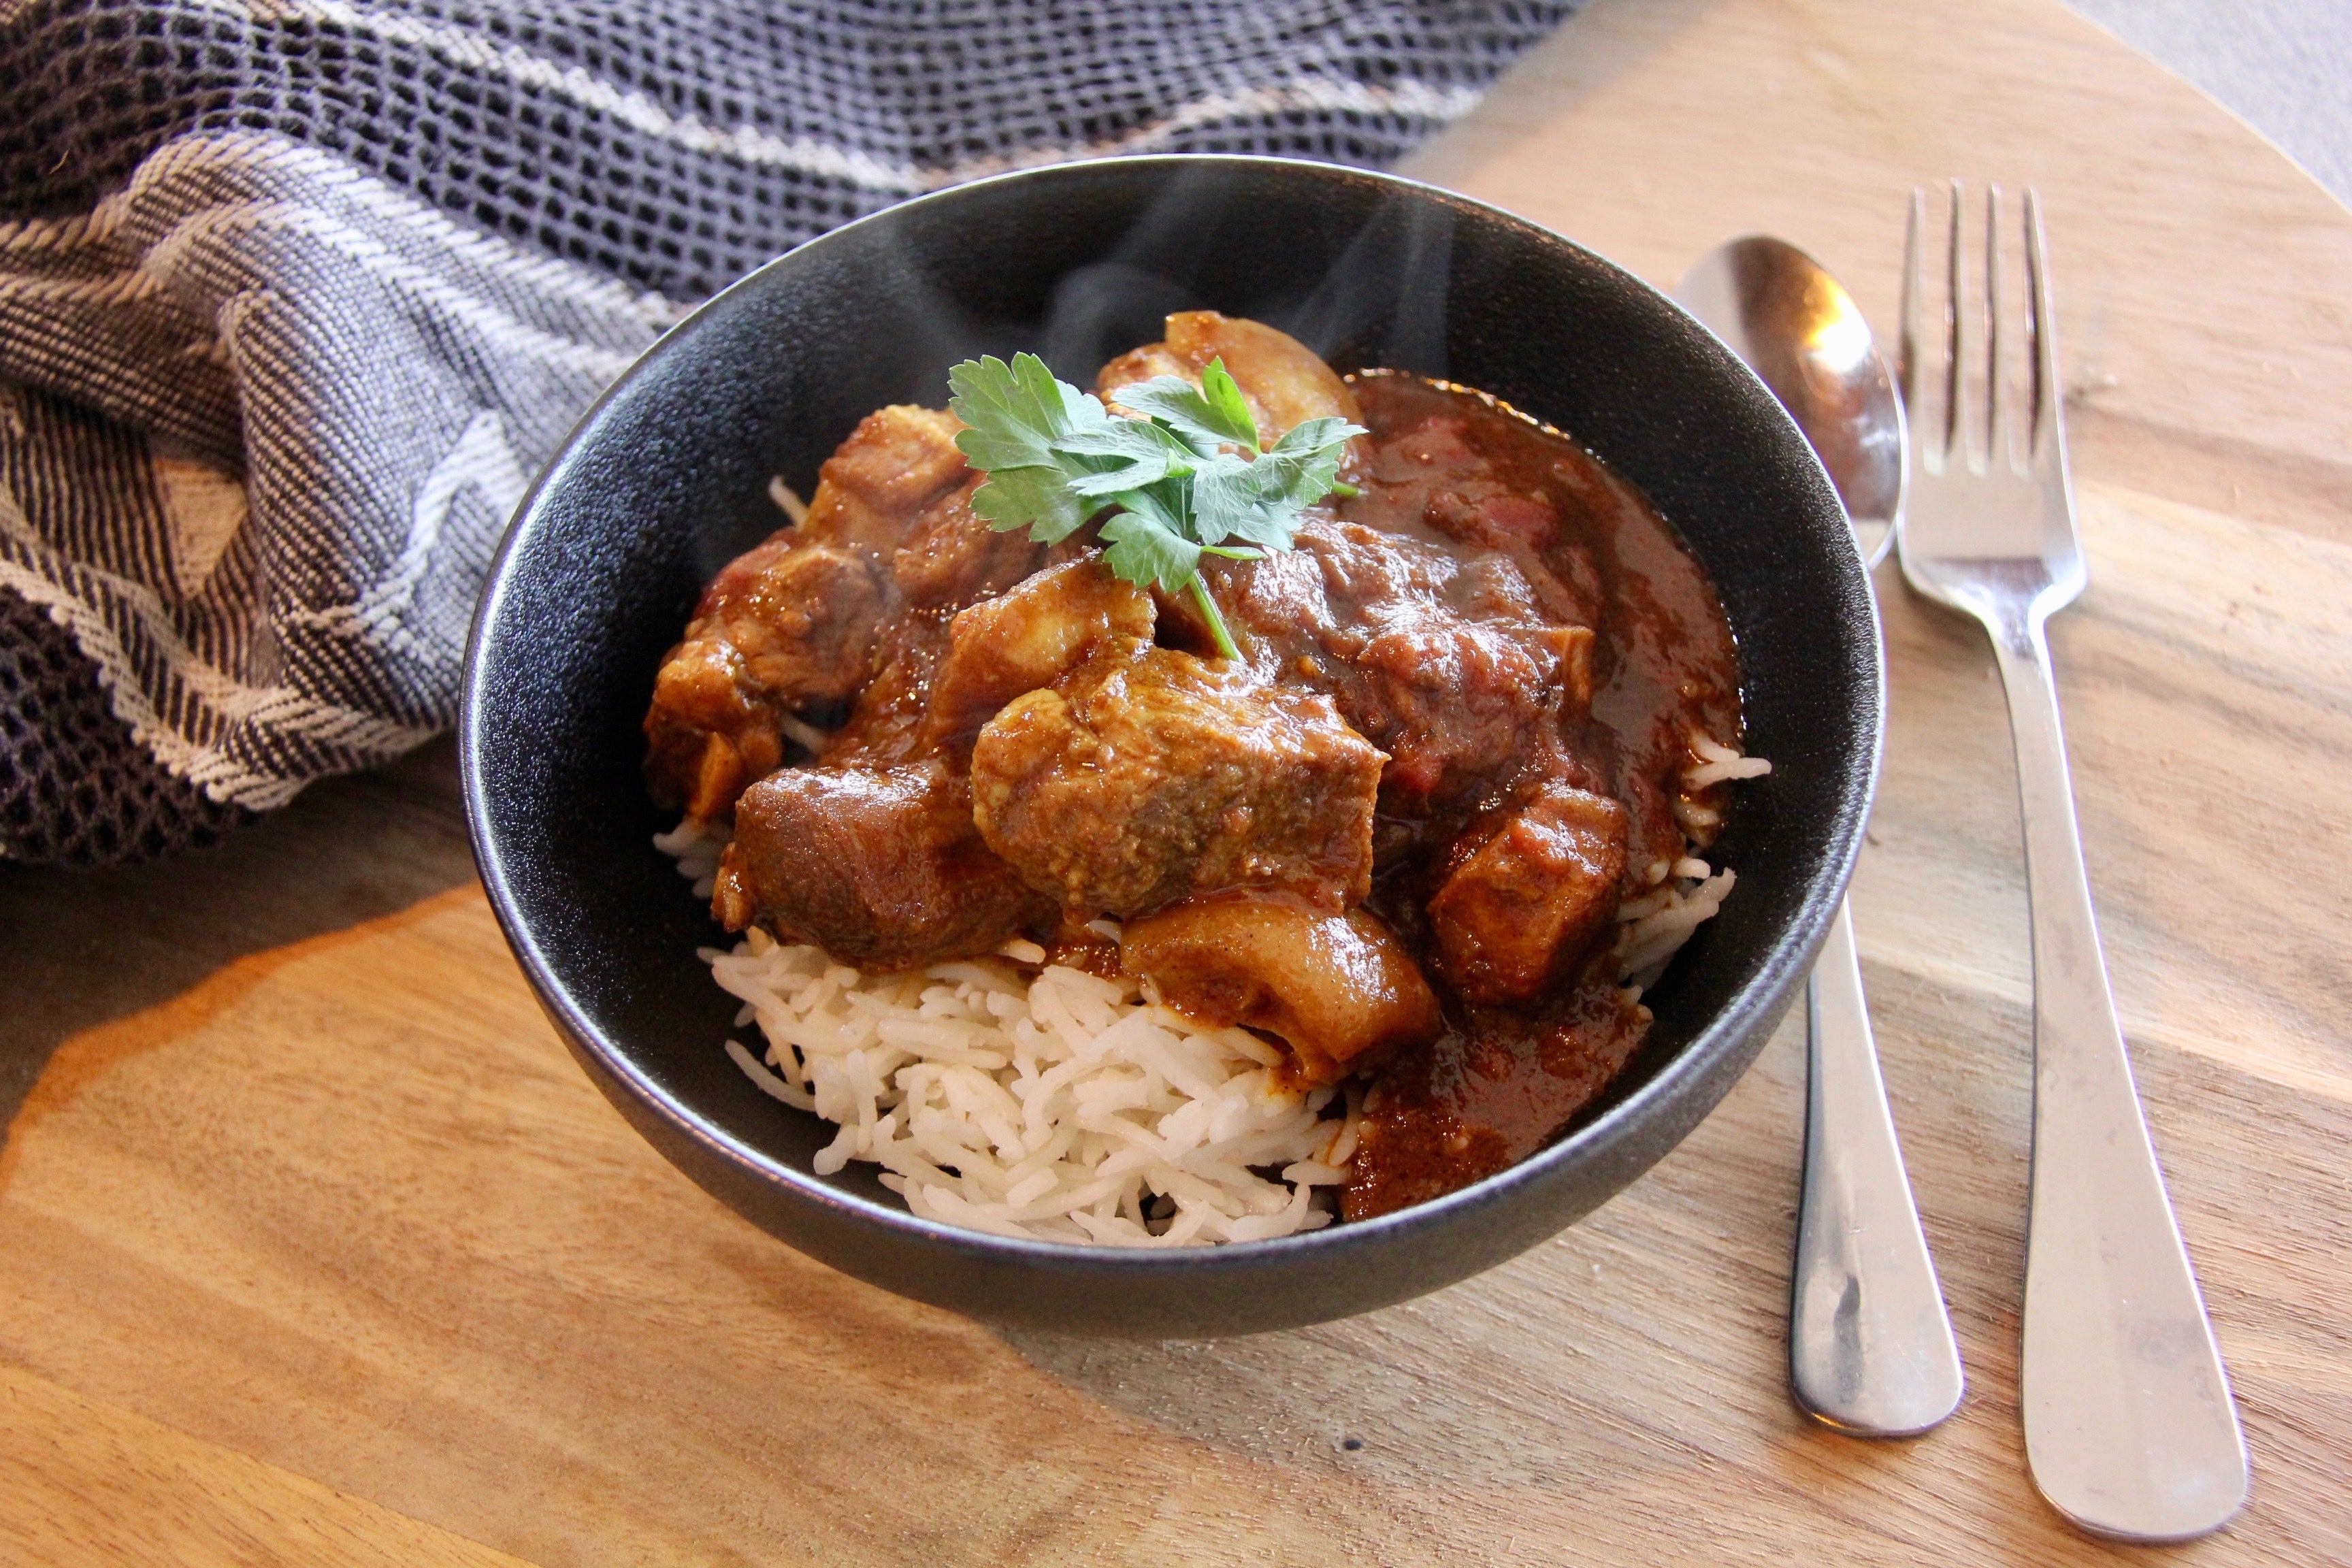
<point>1780,311</point>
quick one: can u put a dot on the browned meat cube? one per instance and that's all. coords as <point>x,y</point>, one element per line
<point>896,462</point>
<point>785,625</point>
<point>792,621</point>
<point>1031,637</point>
<point>881,868</point>
<point>953,558</point>
<point>1284,382</point>
<point>1336,987</point>
<point>1528,901</point>
<point>1150,776</point>
<point>884,726</point>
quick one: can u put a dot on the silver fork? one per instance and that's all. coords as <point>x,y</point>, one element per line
<point>2130,1429</point>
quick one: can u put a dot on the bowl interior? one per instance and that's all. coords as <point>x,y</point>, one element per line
<point>668,477</point>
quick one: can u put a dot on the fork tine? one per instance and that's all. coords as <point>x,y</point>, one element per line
<point>2000,445</point>
<point>1960,343</point>
<point>1910,372</point>
<point>2048,394</point>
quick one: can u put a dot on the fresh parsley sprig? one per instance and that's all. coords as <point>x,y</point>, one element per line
<point>1164,488</point>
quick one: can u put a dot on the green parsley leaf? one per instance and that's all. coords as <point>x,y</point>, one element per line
<point>1224,500</point>
<point>1223,395</point>
<point>1228,501</point>
<point>1016,412</point>
<point>1306,461</point>
<point>1207,416</point>
<point>1146,546</point>
<point>1259,502</point>
<point>1166,487</point>
<point>1133,452</point>
<point>1039,500</point>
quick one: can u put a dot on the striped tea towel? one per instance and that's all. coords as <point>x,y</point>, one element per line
<point>295,295</point>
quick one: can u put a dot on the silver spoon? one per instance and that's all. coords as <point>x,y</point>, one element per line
<point>1869,1346</point>
<point>1779,309</point>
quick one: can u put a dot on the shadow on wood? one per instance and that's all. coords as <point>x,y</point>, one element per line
<point>88,947</point>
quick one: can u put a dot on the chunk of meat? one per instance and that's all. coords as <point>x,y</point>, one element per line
<point>873,854</point>
<point>1527,898</point>
<point>896,462</point>
<point>1336,987</point>
<point>792,621</point>
<point>928,699</point>
<point>786,624</point>
<point>1439,655</point>
<point>953,558</point>
<point>885,726</point>
<point>1030,637</point>
<point>1284,382</point>
<point>880,868</point>
<point>1150,775</point>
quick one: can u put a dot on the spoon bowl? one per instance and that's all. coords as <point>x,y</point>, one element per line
<point>1781,311</point>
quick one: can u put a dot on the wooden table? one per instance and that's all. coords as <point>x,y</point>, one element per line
<point>315,1247</point>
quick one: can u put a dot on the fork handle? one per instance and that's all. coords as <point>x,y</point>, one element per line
<point>2130,1429</point>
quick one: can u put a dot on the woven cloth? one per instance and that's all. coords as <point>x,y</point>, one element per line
<point>295,295</point>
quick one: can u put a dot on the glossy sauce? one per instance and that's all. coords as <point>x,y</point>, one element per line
<point>1503,1081</point>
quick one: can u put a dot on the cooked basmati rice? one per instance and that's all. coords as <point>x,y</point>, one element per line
<point>694,846</point>
<point>1054,1104</point>
<point>1653,927</point>
<point>1006,1094</point>
<point>1718,761</point>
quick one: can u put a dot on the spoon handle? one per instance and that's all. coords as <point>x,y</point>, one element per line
<point>1870,1348</point>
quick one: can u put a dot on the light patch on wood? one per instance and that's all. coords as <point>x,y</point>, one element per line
<point>85,1482</point>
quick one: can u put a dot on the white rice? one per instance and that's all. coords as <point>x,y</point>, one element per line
<point>788,498</point>
<point>1652,928</point>
<point>1040,1101</point>
<point>1718,761</point>
<point>694,846</point>
<point>1007,1095</point>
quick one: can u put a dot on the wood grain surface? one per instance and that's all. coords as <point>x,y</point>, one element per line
<point>315,1247</point>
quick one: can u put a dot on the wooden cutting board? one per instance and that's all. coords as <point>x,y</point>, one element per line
<point>315,1247</point>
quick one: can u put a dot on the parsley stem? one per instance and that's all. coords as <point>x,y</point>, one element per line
<point>1344,490</point>
<point>1216,619</point>
<point>1231,555</point>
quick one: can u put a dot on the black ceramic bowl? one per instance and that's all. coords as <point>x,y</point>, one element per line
<point>667,478</point>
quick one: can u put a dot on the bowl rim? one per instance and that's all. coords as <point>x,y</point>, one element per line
<point>1624,1122</point>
